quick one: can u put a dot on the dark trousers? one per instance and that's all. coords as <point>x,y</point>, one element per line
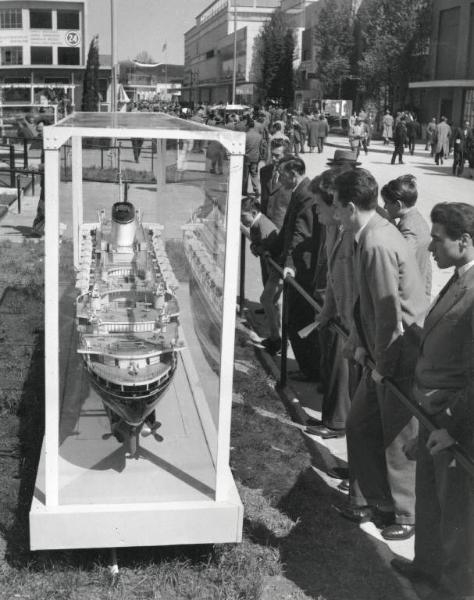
<point>444,540</point>
<point>377,429</point>
<point>411,145</point>
<point>306,350</point>
<point>137,144</point>
<point>336,379</point>
<point>250,170</point>
<point>399,149</point>
<point>458,163</point>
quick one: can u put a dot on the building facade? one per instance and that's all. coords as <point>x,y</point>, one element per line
<point>448,88</point>
<point>161,82</point>
<point>42,52</point>
<point>209,51</point>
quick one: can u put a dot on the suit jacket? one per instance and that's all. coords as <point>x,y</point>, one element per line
<point>274,197</point>
<point>445,362</point>
<point>390,298</point>
<point>339,300</point>
<point>299,239</point>
<point>460,139</point>
<point>416,232</point>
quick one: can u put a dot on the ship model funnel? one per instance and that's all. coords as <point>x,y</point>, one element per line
<point>123,225</point>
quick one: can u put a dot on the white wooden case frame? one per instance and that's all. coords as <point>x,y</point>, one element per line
<point>58,526</point>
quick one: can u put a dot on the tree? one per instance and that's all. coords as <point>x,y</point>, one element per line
<point>145,58</point>
<point>394,37</point>
<point>333,38</point>
<point>275,47</point>
<point>90,93</point>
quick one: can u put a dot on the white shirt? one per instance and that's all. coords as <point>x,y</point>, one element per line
<point>465,268</point>
<point>358,233</point>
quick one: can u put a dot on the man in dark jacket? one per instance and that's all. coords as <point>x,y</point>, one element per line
<point>399,139</point>
<point>253,140</point>
<point>298,245</point>
<point>459,142</point>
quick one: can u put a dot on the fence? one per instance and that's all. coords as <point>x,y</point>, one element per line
<point>464,459</point>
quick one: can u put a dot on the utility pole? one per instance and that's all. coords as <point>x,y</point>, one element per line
<point>234,74</point>
<point>113,45</point>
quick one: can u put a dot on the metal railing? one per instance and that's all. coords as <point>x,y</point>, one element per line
<point>465,460</point>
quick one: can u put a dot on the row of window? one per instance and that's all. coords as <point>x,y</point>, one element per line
<point>11,18</point>
<point>40,55</point>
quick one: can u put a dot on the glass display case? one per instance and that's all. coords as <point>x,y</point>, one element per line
<point>142,243</point>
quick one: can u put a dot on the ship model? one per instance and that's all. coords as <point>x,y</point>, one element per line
<point>204,248</point>
<point>127,319</point>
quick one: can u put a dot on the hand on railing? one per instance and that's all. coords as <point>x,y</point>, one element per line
<point>288,272</point>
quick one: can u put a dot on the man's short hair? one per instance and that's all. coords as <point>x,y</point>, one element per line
<point>457,218</point>
<point>357,186</point>
<point>323,184</point>
<point>277,143</point>
<point>249,204</point>
<point>292,163</point>
<point>402,189</point>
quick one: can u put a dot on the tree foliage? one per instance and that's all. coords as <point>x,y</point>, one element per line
<point>276,49</point>
<point>334,45</point>
<point>145,58</point>
<point>90,93</point>
<point>394,37</point>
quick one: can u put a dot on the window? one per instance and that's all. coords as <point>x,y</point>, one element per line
<point>210,54</point>
<point>60,80</point>
<point>68,56</point>
<point>12,55</point>
<point>448,43</point>
<point>68,19</point>
<point>41,55</point>
<point>10,18</point>
<point>40,19</point>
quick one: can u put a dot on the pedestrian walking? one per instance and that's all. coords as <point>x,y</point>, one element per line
<point>251,159</point>
<point>322,131</point>
<point>355,136</point>
<point>443,135</point>
<point>460,140</point>
<point>387,128</point>
<point>399,139</point>
<point>431,136</point>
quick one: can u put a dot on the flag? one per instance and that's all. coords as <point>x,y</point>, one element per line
<point>164,47</point>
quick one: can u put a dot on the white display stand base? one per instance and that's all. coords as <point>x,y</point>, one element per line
<point>164,497</point>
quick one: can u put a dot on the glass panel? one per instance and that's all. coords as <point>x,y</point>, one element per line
<point>12,55</point>
<point>68,56</point>
<point>140,319</point>
<point>10,18</point>
<point>40,19</point>
<point>41,55</point>
<point>68,19</point>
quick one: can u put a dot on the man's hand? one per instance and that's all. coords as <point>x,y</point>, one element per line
<point>439,440</point>
<point>360,355</point>
<point>376,376</point>
<point>255,249</point>
<point>288,272</point>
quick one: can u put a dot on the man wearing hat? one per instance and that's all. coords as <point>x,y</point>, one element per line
<point>344,157</point>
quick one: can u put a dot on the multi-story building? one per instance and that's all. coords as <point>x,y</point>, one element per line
<point>42,51</point>
<point>151,82</point>
<point>209,50</point>
<point>448,88</point>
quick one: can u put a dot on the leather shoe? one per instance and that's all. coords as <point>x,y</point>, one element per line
<point>344,486</point>
<point>271,346</point>
<point>356,514</point>
<point>407,569</point>
<point>325,432</point>
<point>398,531</point>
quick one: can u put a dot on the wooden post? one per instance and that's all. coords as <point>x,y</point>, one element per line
<point>12,165</point>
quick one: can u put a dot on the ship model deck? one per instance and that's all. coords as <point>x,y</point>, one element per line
<point>127,315</point>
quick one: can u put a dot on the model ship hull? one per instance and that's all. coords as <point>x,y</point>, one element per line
<point>127,319</point>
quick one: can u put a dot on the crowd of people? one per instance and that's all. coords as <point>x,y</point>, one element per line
<point>368,266</point>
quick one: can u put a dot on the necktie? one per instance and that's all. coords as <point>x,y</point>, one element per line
<point>449,283</point>
<point>274,178</point>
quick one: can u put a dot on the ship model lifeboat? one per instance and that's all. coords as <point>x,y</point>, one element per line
<point>127,320</point>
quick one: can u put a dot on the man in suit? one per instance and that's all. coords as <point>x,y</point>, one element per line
<point>262,237</point>
<point>444,386</point>
<point>400,196</point>
<point>460,141</point>
<point>389,308</point>
<point>298,245</point>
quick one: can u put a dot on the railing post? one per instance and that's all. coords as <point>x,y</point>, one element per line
<point>18,191</point>
<point>125,191</point>
<point>118,156</point>
<point>243,243</point>
<point>284,333</point>
<point>12,165</point>
<point>32,184</point>
<point>101,157</point>
<point>25,153</point>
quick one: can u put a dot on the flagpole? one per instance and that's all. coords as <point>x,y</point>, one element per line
<point>234,74</point>
<point>113,96</point>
